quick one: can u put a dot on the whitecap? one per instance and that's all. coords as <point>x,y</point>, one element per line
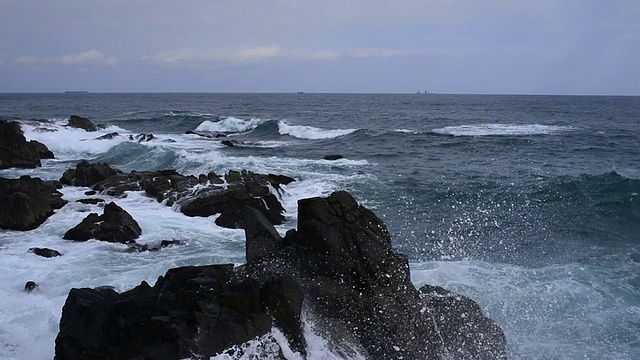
<point>502,129</point>
<point>229,124</point>
<point>310,132</point>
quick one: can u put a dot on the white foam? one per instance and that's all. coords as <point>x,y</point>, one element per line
<point>310,132</point>
<point>72,143</point>
<point>407,131</point>
<point>502,129</point>
<point>230,124</point>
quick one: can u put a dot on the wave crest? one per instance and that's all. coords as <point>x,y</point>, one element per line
<point>310,132</point>
<point>502,129</point>
<point>229,124</point>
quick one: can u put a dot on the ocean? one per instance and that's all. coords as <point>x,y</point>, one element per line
<point>529,205</point>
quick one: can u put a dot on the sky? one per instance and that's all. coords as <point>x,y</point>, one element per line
<point>362,46</point>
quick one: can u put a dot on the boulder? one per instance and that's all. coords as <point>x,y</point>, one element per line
<point>82,123</point>
<point>45,252</point>
<point>114,225</point>
<point>87,174</point>
<point>16,152</point>
<point>191,312</point>
<point>27,202</point>
<point>339,263</point>
<point>333,157</point>
<point>29,286</point>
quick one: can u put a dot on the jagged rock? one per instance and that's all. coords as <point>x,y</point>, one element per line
<point>141,137</point>
<point>27,202</point>
<point>333,157</point>
<point>228,143</point>
<point>108,136</point>
<point>190,312</point>
<point>339,263</point>
<point>82,123</point>
<point>16,152</point>
<point>87,174</point>
<point>114,225</point>
<point>466,332</point>
<point>45,252</point>
<point>30,286</point>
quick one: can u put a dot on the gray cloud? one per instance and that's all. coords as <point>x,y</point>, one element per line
<point>458,45</point>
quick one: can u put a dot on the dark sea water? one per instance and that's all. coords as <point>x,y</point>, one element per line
<point>527,204</point>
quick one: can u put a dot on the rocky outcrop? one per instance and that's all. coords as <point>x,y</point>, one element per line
<point>27,202</point>
<point>82,123</point>
<point>114,225</point>
<point>204,195</point>
<point>338,264</point>
<point>87,174</point>
<point>16,152</point>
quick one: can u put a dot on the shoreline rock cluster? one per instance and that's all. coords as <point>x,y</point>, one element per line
<point>337,264</point>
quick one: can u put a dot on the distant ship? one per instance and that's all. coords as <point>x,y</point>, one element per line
<point>75,91</point>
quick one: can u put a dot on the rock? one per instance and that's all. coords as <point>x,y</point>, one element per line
<point>228,143</point>
<point>45,252</point>
<point>114,225</point>
<point>333,157</point>
<point>190,310</point>
<point>339,263</point>
<point>108,136</point>
<point>82,123</point>
<point>141,137</point>
<point>91,201</point>
<point>16,152</point>
<point>90,192</point>
<point>30,286</point>
<point>87,174</point>
<point>135,247</point>
<point>27,202</point>
<point>466,332</point>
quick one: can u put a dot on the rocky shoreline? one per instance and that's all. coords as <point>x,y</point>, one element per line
<point>338,264</point>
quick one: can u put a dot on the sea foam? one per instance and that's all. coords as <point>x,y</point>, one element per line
<point>502,129</point>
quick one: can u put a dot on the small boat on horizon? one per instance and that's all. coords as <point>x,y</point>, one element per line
<point>76,91</point>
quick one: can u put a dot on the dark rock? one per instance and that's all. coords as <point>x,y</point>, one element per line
<point>168,141</point>
<point>465,331</point>
<point>228,143</point>
<point>82,123</point>
<point>135,247</point>
<point>333,157</point>
<point>114,225</point>
<point>87,174</point>
<point>190,311</point>
<point>108,136</point>
<point>30,286</point>
<point>45,252</point>
<point>339,263</point>
<point>90,192</point>
<point>141,137</point>
<point>42,149</point>
<point>27,202</point>
<point>92,201</point>
<point>16,152</point>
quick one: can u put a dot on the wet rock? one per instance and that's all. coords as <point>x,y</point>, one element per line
<point>45,252</point>
<point>90,201</point>
<point>82,123</point>
<point>30,286</point>
<point>108,136</point>
<point>27,202</point>
<point>114,225</point>
<point>87,174</point>
<point>339,263</point>
<point>333,157</point>
<point>16,152</point>
<point>142,137</point>
<point>135,247</point>
<point>228,143</point>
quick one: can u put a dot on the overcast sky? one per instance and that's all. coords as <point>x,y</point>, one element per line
<point>442,46</point>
